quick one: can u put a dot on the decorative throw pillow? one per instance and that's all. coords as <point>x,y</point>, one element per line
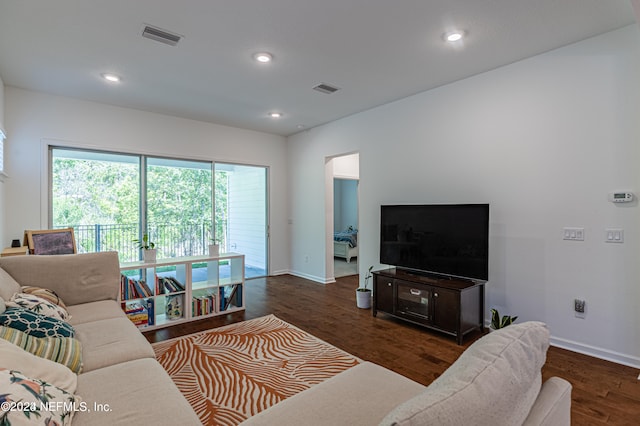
<point>37,402</point>
<point>64,350</point>
<point>8,286</point>
<point>35,324</point>
<point>15,358</point>
<point>38,305</point>
<point>45,293</point>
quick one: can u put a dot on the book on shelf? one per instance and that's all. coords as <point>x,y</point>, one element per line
<point>151,311</point>
<point>203,305</point>
<point>168,285</point>
<point>130,288</point>
<point>139,317</point>
<point>234,298</point>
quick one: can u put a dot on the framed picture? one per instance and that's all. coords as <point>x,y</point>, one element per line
<point>50,241</point>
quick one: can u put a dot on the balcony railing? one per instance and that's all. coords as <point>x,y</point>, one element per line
<point>171,240</point>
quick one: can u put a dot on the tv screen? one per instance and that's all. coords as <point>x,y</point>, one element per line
<point>446,239</point>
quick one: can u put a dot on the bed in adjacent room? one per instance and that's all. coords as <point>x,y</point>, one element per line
<point>345,244</point>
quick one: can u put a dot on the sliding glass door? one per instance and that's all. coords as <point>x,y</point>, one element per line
<point>111,199</point>
<point>241,214</point>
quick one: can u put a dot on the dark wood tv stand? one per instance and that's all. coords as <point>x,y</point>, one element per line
<point>451,306</point>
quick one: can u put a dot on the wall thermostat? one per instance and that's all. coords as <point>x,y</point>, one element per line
<point>621,197</point>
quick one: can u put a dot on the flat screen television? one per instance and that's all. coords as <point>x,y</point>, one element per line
<point>442,239</point>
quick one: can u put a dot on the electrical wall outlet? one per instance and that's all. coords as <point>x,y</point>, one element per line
<point>579,307</point>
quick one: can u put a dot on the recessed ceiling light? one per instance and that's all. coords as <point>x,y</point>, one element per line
<point>263,57</point>
<point>454,36</point>
<point>275,114</point>
<point>111,77</point>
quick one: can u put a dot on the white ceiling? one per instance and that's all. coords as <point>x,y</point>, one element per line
<point>376,51</point>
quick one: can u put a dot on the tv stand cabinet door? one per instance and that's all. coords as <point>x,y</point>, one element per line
<point>383,294</point>
<point>446,307</point>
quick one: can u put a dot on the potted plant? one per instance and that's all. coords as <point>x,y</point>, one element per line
<point>148,247</point>
<point>214,248</point>
<point>498,322</point>
<point>363,294</point>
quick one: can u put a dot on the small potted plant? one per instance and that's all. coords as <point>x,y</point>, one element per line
<point>214,248</point>
<point>363,294</point>
<point>498,322</point>
<point>148,247</point>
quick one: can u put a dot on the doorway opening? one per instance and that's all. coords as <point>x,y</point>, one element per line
<point>343,173</point>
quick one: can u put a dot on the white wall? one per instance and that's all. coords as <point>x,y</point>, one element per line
<point>346,166</point>
<point>32,117</point>
<point>345,204</point>
<point>543,140</point>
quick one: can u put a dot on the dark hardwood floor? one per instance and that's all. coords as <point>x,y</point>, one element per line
<point>603,392</point>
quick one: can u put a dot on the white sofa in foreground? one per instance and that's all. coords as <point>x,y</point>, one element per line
<point>120,381</point>
<point>496,381</point>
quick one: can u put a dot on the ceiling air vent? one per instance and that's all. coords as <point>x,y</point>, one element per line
<point>326,88</point>
<point>163,36</point>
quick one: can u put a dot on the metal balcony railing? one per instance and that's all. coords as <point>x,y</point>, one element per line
<point>171,240</point>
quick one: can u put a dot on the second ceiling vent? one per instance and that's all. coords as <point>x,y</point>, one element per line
<point>326,88</point>
<point>163,36</point>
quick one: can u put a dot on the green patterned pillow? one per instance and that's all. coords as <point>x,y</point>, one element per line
<point>36,402</point>
<point>35,324</point>
<point>64,350</point>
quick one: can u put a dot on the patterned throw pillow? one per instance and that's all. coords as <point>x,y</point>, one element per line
<point>38,305</point>
<point>45,293</point>
<point>64,350</point>
<point>36,402</point>
<point>35,324</point>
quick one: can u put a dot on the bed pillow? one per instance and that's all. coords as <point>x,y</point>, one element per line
<point>15,386</point>
<point>3,307</point>
<point>63,350</point>
<point>38,305</point>
<point>15,358</point>
<point>45,293</point>
<point>8,286</point>
<point>35,324</point>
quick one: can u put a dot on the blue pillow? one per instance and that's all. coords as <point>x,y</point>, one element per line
<point>35,324</point>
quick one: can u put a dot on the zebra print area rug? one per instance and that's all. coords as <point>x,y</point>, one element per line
<point>233,372</point>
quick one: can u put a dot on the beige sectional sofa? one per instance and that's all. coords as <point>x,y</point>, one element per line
<point>496,381</point>
<point>120,382</point>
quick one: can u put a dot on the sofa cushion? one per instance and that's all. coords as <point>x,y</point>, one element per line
<point>35,324</point>
<point>111,341</point>
<point>38,305</point>
<point>35,396</point>
<point>15,358</point>
<point>64,350</point>
<point>345,398</point>
<point>495,381</point>
<point>94,311</point>
<point>8,286</point>
<point>137,392</point>
<point>76,278</point>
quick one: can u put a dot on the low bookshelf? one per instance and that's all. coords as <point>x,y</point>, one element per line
<point>181,289</point>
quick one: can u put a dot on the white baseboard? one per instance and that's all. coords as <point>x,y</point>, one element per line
<point>320,280</point>
<point>605,354</point>
<point>581,348</point>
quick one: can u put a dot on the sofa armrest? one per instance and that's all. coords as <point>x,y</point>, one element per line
<point>76,278</point>
<point>553,405</point>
